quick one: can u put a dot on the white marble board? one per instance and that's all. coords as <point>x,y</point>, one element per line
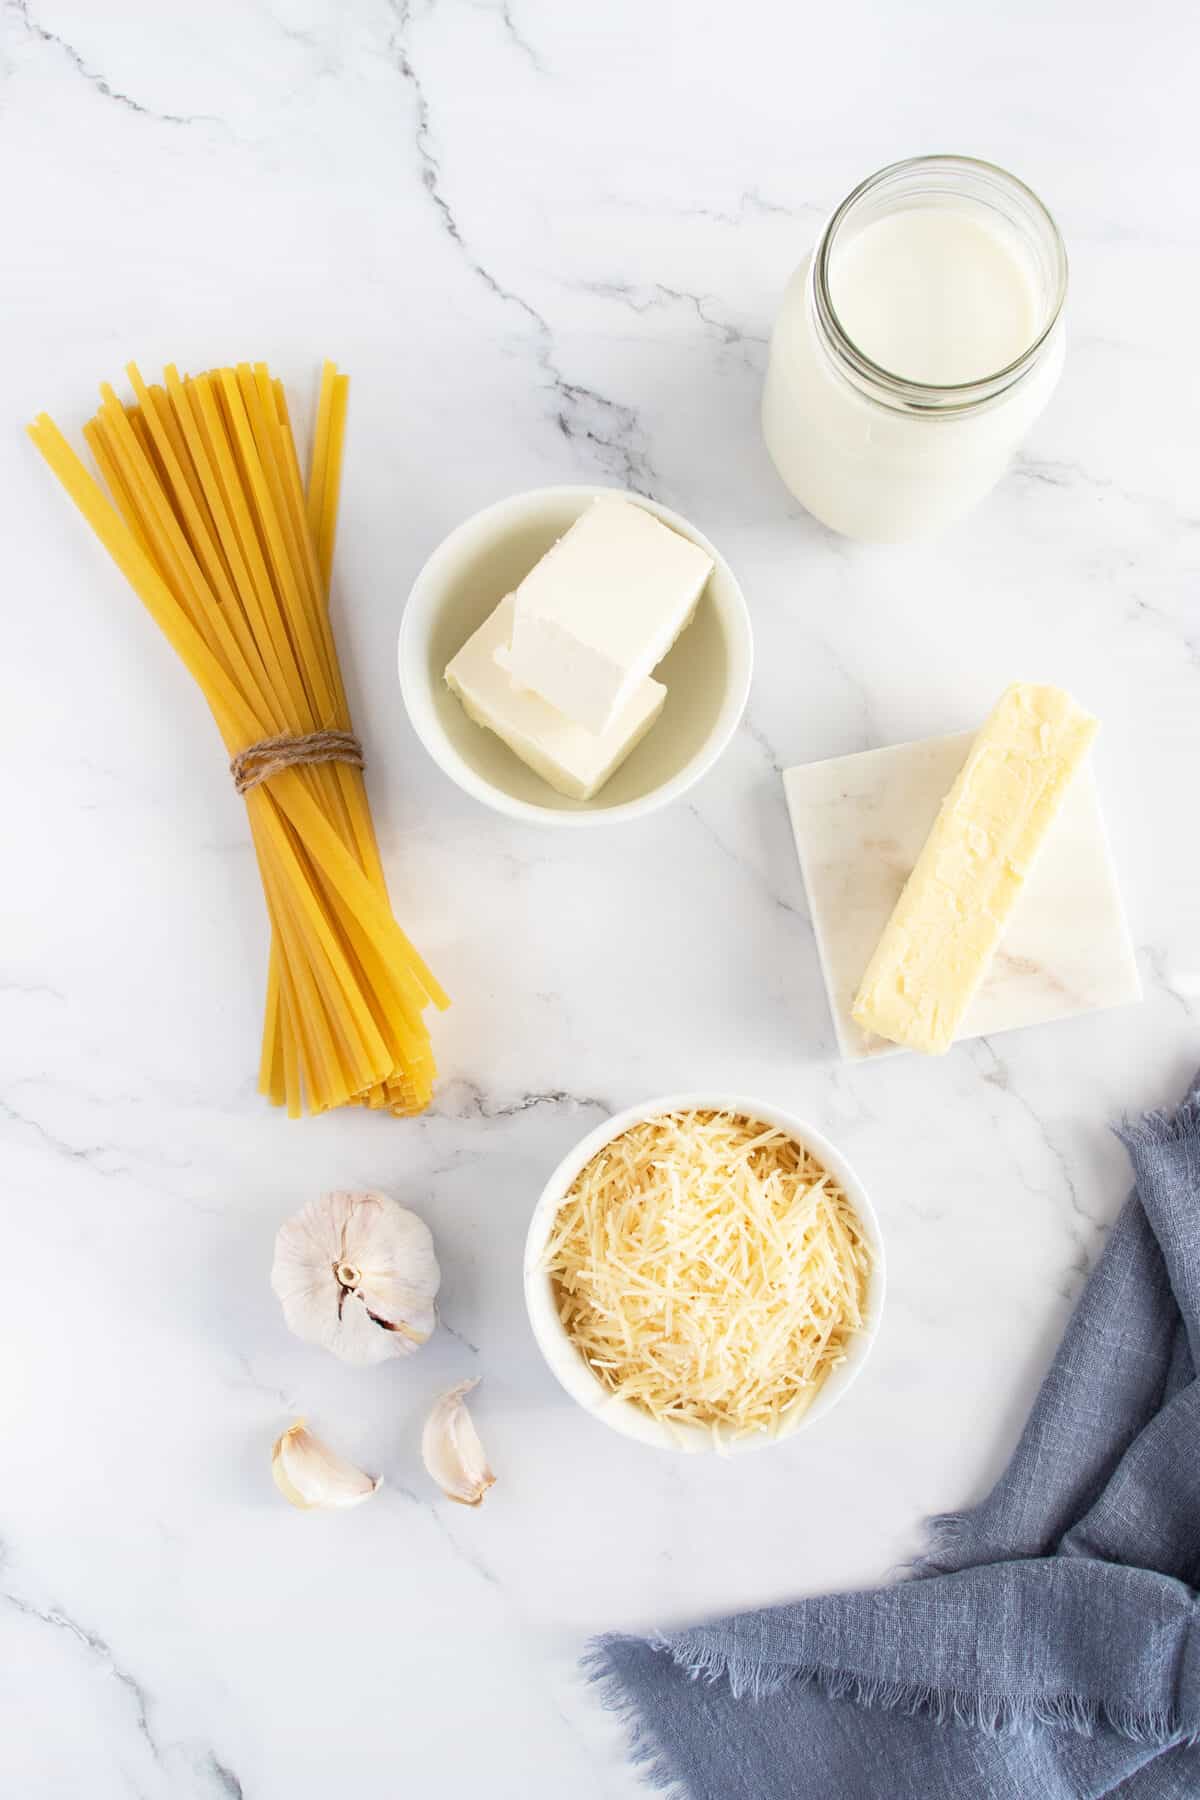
<point>859,823</point>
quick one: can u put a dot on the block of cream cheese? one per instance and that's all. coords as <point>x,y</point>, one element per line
<point>574,761</point>
<point>601,610</point>
<point>939,941</point>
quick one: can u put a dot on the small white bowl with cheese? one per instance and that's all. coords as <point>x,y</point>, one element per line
<point>455,609</point>
<point>565,1359</point>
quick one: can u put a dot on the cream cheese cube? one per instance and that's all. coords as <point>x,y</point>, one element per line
<point>575,762</point>
<point>602,608</point>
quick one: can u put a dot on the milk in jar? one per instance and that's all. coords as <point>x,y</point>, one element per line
<point>915,347</point>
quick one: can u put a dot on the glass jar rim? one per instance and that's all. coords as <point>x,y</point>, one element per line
<point>900,391</point>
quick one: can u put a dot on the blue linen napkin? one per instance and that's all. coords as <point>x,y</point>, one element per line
<point>1048,1644</point>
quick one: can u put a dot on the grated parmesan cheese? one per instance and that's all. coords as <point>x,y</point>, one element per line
<point>709,1270</point>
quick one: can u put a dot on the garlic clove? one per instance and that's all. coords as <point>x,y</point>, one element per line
<point>451,1450</point>
<point>357,1273</point>
<point>311,1475</point>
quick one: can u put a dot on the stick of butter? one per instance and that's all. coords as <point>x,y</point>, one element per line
<point>938,943</point>
<point>602,608</point>
<point>574,761</point>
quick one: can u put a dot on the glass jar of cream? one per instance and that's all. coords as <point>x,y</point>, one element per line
<point>915,347</point>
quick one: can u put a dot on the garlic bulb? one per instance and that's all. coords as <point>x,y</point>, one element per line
<point>357,1273</point>
<point>311,1475</point>
<point>451,1450</point>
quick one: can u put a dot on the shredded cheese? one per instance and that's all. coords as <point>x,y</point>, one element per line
<point>709,1270</point>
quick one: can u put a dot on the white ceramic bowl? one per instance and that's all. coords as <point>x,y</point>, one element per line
<point>707,673</point>
<point>569,1366</point>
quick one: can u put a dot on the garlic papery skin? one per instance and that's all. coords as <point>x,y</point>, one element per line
<point>312,1476</point>
<point>451,1450</point>
<point>358,1274</point>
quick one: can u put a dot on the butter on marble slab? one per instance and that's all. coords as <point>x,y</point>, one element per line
<point>935,949</point>
<point>602,608</point>
<point>575,762</point>
<point>860,823</point>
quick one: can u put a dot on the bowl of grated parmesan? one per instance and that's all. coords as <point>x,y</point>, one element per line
<point>705,1273</point>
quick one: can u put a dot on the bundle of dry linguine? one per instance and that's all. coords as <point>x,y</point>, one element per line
<point>212,524</point>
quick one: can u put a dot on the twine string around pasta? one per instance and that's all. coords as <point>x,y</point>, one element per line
<point>258,762</point>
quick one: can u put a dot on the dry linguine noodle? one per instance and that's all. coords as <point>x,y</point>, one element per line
<point>231,553</point>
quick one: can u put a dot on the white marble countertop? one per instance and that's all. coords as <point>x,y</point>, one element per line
<point>547,241</point>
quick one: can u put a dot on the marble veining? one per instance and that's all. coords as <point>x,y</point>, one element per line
<point>547,241</point>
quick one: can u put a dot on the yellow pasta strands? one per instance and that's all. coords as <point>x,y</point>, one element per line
<point>211,522</point>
